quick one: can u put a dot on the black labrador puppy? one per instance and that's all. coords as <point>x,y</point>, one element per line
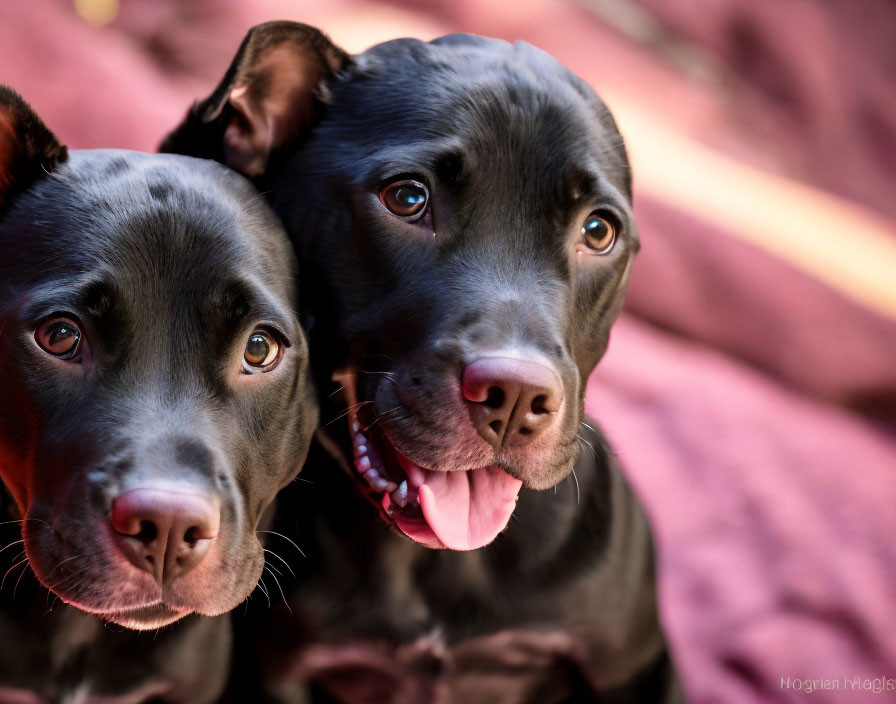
<point>155,398</point>
<point>462,213</point>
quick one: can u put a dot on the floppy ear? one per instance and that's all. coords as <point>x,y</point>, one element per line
<point>267,100</point>
<point>28,150</point>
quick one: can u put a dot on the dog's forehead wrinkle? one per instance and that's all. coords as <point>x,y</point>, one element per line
<point>426,152</point>
<point>239,298</point>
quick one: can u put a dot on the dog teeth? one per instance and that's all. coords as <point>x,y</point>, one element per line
<point>381,485</point>
<point>369,466</point>
<point>377,482</point>
<point>400,495</point>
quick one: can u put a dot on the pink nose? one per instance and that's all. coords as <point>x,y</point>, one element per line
<point>511,399</point>
<point>166,533</point>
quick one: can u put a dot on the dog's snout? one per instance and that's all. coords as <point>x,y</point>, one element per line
<point>511,399</point>
<point>164,532</point>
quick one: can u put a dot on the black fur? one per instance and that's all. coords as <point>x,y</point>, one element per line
<point>516,151</point>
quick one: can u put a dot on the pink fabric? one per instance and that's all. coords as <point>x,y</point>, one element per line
<point>774,517</point>
<point>706,285</point>
<point>92,87</point>
<point>815,78</point>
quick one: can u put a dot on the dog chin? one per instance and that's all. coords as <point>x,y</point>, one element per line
<point>548,480</point>
<point>144,618</point>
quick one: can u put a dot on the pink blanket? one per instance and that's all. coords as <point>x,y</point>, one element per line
<point>773,515</point>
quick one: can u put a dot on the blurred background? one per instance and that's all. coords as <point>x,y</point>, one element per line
<point>750,386</point>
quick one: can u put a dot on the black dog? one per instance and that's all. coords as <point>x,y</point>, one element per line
<point>156,397</point>
<point>462,212</point>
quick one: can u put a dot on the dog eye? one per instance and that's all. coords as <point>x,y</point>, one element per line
<point>262,353</point>
<point>598,233</point>
<point>60,337</point>
<point>406,199</point>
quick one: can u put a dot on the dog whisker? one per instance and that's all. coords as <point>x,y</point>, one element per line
<point>576,479</point>
<point>349,410</point>
<point>264,590</point>
<point>590,446</point>
<point>395,420</point>
<point>285,563</point>
<point>24,570</point>
<point>3,581</point>
<point>68,559</point>
<point>273,532</point>
<point>52,588</point>
<point>282,595</point>
<point>20,554</point>
<point>389,375</point>
<point>22,520</point>
<point>380,416</point>
<point>16,542</point>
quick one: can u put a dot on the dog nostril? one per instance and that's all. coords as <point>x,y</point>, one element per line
<point>148,532</point>
<point>538,404</point>
<point>525,431</point>
<point>495,398</point>
<point>191,536</point>
<point>496,426</point>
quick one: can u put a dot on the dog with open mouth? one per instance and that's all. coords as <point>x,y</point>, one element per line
<point>156,397</point>
<point>462,213</point>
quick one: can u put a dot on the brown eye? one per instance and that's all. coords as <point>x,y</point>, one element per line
<point>406,199</point>
<point>262,353</point>
<point>598,233</point>
<point>60,337</point>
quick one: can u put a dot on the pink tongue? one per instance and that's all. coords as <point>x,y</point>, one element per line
<point>466,509</point>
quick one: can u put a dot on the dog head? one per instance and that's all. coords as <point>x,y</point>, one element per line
<point>154,374</point>
<point>463,207</point>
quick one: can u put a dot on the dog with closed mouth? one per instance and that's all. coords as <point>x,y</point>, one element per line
<point>462,213</point>
<point>156,397</point>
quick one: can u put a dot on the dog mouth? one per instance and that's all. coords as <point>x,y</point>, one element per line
<point>461,509</point>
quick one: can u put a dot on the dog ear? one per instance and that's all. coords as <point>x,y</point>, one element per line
<point>268,99</point>
<point>28,150</point>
